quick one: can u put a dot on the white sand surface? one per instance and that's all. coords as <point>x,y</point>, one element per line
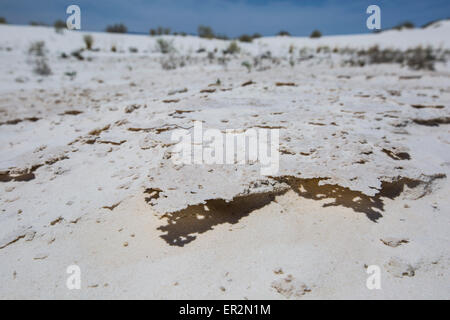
<point>362,180</point>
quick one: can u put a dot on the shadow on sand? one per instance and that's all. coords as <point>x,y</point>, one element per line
<point>183,226</point>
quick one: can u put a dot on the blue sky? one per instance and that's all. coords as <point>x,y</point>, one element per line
<point>230,17</point>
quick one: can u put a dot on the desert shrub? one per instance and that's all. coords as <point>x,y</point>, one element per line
<point>160,31</point>
<point>420,58</point>
<point>88,41</point>
<point>113,48</point>
<point>3,20</point>
<point>170,62</point>
<point>377,56</point>
<point>315,34</point>
<point>256,36</point>
<point>41,67</point>
<point>205,32</point>
<point>245,38</point>
<point>404,25</point>
<point>232,48</point>
<point>417,58</point>
<point>284,33</point>
<point>38,52</point>
<point>164,46</point>
<point>59,26</point>
<point>37,49</point>
<point>117,28</point>
<point>133,50</point>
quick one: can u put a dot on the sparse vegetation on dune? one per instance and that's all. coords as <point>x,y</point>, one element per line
<point>38,52</point>
<point>245,38</point>
<point>159,31</point>
<point>3,20</point>
<point>418,58</point>
<point>38,24</point>
<point>117,28</point>
<point>404,25</point>
<point>283,33</point>
<point>205,32</point>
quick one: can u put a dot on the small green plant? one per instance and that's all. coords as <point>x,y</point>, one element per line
<point>164,46</point>
<point>233,48</point>
<point>88,41</point>
<point>247,65</point>
<point>71,74</point>
<point>315,34</point>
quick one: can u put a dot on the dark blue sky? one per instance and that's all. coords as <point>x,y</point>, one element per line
<point>230,17</point>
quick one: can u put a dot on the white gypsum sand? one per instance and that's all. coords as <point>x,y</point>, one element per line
<point>87,179</point>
